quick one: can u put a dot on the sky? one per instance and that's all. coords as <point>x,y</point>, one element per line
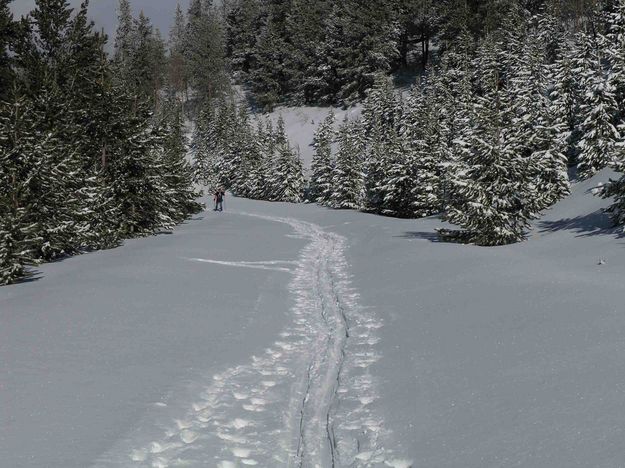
<point>104,12</point>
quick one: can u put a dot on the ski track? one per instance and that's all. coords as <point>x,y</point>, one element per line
<point>306,401</point>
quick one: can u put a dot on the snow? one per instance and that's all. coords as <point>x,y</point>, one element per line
<point>194,347</point>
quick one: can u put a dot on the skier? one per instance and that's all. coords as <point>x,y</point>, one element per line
<point>218,197</point>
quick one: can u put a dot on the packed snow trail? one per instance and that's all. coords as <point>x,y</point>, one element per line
<point>304,403</point>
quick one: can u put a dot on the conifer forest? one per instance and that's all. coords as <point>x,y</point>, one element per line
<point>508,96</point>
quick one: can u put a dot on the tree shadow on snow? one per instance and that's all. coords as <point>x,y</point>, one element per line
<point>32,277</point>
<point>591,224</point>
<point>424,235</point>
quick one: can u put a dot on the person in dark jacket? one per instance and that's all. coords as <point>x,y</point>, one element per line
<point>218,197</point>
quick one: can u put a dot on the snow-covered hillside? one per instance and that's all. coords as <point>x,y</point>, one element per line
<point>293,335</point>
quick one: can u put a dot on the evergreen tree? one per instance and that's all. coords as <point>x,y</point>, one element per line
<point>7,33</point>
<point>147,62</point>
<point>493,187</point>
<point>177,172</point>
<point>270,75</point>
<point>615,189</point>
<point>205,51</point>
<point>566,96</point>
<point>304,31</point>
<point>360,42</point>
<point>401,181</point>
<point>287,179</point>
<point>178,72</point>
<point>347,177</point>
<point>124,39</point>
<point>423,135</point>
<point>322,162</point>
<point>244,20</point>
<point>203,147</point>
<point>599,134</point>
<point>375,172</point>
<point>18,168</point>
<point>535,124</point>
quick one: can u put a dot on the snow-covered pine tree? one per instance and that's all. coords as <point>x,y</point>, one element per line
<point>376,164</point>
<point>147,60</point>
<point>492,183</point>
<point>599,133</point>
<point>382,109</point>
<point>401,179</point>
<point>360,42</point>
<point>178,78</point>
<point>542,139</point>
<point>304,28</point>
<point>613,47</point>
<point>203,147</point>
<point>322,163</point>
<point>267,152</point>
<point>18,169</point>
<point>452,92</point>
<point>423,134</point>
<point>381,118</point>
<point>615,42</point>
<point>204,51</point>
<point>287,181</point>
<point>245,180</point>
<point>615,188</point>
<point>16,237</point>
<point>61,191</point>
<point>124,39</point>
<point>347,177</point>
<point>177,173</point>
<point>225,131</point>
<point>257,173</point>
<point>598,108</point>
<point>269,76</point>
<point>244,21</point>
<point>134,170</point>
<point>566,97</point>
<point>7,33</point>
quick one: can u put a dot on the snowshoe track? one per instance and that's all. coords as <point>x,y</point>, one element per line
<point>305,402</point>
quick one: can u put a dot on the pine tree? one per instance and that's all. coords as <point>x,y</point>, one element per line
<point>566,97</point>
<point>492,183</point>
<point>599,134</point>
<point>7,33</point>
<point>18,231</point>
<point>205,51</point>
<point>322,162</point>
<point>287,180</point>
<point>424,134</point>
<point>204,147</point>
<point>147,62</point>
<point>535,125</point>
<point>124,39</point>
<point>615,188</point>
<point>401,181</point>
<point>347,177</point>
<point>177,174</point>
<point>375,172</point>
<point>178,71</point>
<point>360,43</point>
<point>382,110</point>
<point>244,20</point>
<point>304,31</point>
<point>269,76</point>
<point>614,43</point>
